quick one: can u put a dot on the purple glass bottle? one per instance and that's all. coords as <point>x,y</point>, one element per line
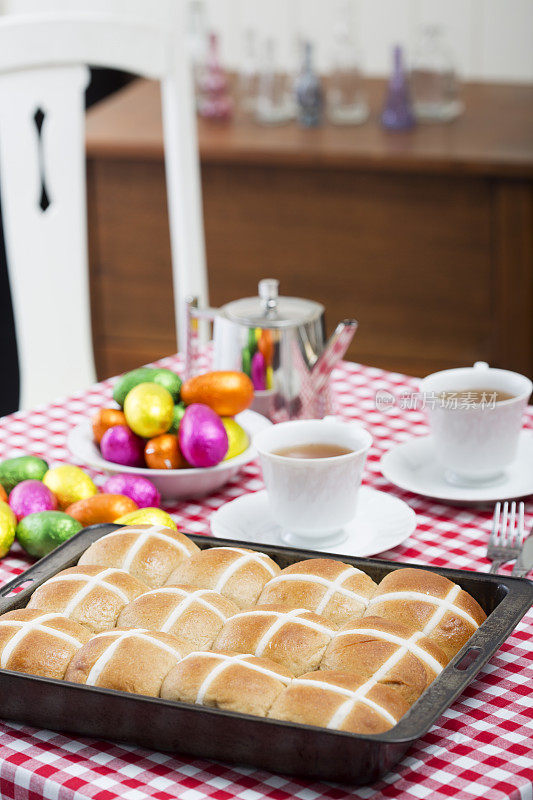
<point>308,91</point>
<point>398,113</point>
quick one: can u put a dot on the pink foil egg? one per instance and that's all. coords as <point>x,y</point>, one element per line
<point>140,489</point>
<point>29,497</point>
<point>258,370</point>
<point>121,446</point>
<point>202,436</point>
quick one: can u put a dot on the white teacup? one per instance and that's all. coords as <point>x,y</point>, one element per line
<point>475,442</point>
<point>313,498</point>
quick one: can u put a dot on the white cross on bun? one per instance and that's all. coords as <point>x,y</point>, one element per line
<point>295,638</point>
<point>195,616</point>
<point>389,652</point>
<point>339,701</point>
<point>328,587</point>
<point>430,603</point>
<point>38,642</point>
<point>93,596</point>
<point>235,572</point>
<point>232,681</point>
<point>148,552</point>
<point>131,661</point>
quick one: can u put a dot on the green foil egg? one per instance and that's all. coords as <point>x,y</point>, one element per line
<point>42,532</point>
<point>168,379</point>
<point>128,381</point>
<point>22,468</point>
<point>179,411</point>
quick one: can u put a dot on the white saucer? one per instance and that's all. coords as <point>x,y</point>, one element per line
<point>382,521</point>
<point>412,466</point>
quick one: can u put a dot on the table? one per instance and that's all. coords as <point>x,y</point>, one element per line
<point>376,225</point>
<point>478,749</point>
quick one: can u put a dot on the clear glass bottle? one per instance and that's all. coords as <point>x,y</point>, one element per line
<point>273,104</point>
<point>197,40</point>
<point>214,99</point>
<point>434,84</point>
<point>308,91</point>
<point>345,96</point>
<point>248,76</point>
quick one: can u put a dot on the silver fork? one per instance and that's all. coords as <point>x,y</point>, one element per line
<point>507,534</point>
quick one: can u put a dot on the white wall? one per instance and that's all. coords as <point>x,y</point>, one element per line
<point>490,39</point>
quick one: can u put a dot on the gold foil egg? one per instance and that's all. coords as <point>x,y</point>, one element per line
<point>69,484</point>
<point>149,409</point>
<point>238,439</point>
<point>148,516</point>
<point>8,524</point>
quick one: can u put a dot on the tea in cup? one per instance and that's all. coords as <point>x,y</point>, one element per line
<point>312,471</point>
<point>475,416</point>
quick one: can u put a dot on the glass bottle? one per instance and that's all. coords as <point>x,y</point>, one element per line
<point>273,103</point>
<point>433,79</point>
<point>397,113</point>
<point>248,76</point>
<point>345,97</point>
<point>197,40</point>
<point>308,90</point>
<point>214,100</point>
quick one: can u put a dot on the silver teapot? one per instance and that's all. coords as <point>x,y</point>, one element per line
<point>280,342</point>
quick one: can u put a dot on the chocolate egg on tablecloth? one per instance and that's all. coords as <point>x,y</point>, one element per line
<point>8,524</point>
<point>69,484</point>
<point>163,452</point>
<point>238,439</point>
<point>3,494</point>
<point>202,437</point>
<point>141,490</point>
<point>227,393</point>
<point>121,446</point>
<point>148,516</point>
<point>21,468</point>
<point>29,497</point>
<point>149,409</point>
<point>42,532</point>
<point>101,508</point>
<point>104,419</point>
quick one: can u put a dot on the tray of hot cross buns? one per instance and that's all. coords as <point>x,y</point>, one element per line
<point>328,667</point>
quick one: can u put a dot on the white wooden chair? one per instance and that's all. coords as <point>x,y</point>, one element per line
<point>43,71</point>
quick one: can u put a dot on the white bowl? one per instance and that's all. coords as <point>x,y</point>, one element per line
<point>174,484</point>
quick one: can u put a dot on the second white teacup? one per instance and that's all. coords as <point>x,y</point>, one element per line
<point>476,441</point>
<point>313,498</point>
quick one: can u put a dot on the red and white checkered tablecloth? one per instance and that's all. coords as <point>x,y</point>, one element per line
<point>479,748</point>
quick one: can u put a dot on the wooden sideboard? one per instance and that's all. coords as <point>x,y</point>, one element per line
<point>425,237</point>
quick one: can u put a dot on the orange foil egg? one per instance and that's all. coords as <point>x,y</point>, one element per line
<point>3,494</point>
<point>227,393</point>
<point>104,419</point>
<point>163,452</point>
<point>101,508</point>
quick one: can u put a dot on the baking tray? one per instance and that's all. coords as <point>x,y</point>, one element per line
<point>277,746</point>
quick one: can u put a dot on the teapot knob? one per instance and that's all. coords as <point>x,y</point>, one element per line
<point>268,292</point>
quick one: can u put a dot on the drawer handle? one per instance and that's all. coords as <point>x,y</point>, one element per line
<point>469,658</point>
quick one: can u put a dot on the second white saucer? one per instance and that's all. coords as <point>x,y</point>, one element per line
<point>382,522</point>
<point>412,466</point>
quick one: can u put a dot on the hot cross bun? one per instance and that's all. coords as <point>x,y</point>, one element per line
<point>93,596</point>
<point>148,552</point>
<point>296,638</point>
<point>194,616</point>
<point>429,603</point>
<point>39,643</point>
<point>235,572</point>
<point>233,681</point>
<point>327,587</point>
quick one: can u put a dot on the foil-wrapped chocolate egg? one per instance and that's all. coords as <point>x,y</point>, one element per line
<point>163,452</point>
<point>121,446</point>
<point>42,532</point>
<point>149,409</point>
<point>30,497</point>
<point>238,439</point>
<point>148,516</point>
<point>202,437</point>
<point>69,484</point>
<point>104,419</point>
<point>141,490</point>
<point>8,524</point>
<point>101,508</point>
<point>226,392</point>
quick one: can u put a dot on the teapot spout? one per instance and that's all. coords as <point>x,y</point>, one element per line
<point>333,352</point>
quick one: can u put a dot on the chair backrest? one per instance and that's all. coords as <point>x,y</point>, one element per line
<point>43,75</point>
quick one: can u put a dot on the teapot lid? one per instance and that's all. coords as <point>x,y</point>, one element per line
<point>269,310</point>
